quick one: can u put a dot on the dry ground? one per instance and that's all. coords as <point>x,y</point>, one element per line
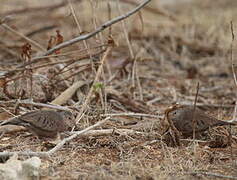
<point>174,46</point>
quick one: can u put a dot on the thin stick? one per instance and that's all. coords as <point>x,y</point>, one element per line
<point>139,83</point>
<point>77,22</point>
<point>234,75</point>
<point>208,105</point>
<point>194,112</point>
<point>80,29</point>
<point>231,52</point>
<point>194,123</point>
<point>134,74</point>
<point>109,16</point>
<point>232,66</point>
<point>131,114</point>
<point>103,132</point>
<point>94,21</point>
<point>125,31</point>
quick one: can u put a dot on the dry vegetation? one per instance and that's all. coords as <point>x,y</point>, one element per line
<point>159,57</point>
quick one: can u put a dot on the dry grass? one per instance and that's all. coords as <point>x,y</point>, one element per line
<point>171,57</point>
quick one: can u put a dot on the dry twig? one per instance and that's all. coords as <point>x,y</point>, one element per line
<point>194,112</point>
<point>103,132</point>
<point>132,114</point>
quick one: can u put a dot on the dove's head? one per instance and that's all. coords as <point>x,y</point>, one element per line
<point>69,118</point>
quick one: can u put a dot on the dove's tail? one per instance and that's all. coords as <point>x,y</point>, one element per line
<point>12,121</point>
<point>224,123</point>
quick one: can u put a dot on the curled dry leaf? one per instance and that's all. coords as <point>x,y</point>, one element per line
<point>26,51</point>
<point>2,82</point>
<point>59,40</point>
<point>51,42</point>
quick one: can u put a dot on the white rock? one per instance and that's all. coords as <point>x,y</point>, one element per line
<point>15,169</point>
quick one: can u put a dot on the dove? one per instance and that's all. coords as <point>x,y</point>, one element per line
<point>44,123</point>
<point>182,119</point>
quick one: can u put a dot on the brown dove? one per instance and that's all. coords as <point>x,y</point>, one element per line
<point>182,119</point>
<point>44,123</point>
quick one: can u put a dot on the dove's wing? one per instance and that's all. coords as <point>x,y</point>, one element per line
<point>185,121</point>
<point>43,119</point>
<point>40,120</point>
<point>203,121</point>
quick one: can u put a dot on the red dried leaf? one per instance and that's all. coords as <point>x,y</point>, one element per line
<point>51,42</point>
<point>59,40</point>
<point>26,51</point>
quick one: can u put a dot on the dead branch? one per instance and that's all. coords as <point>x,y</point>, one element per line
<point>131,114</point>
<point>104,132</point>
